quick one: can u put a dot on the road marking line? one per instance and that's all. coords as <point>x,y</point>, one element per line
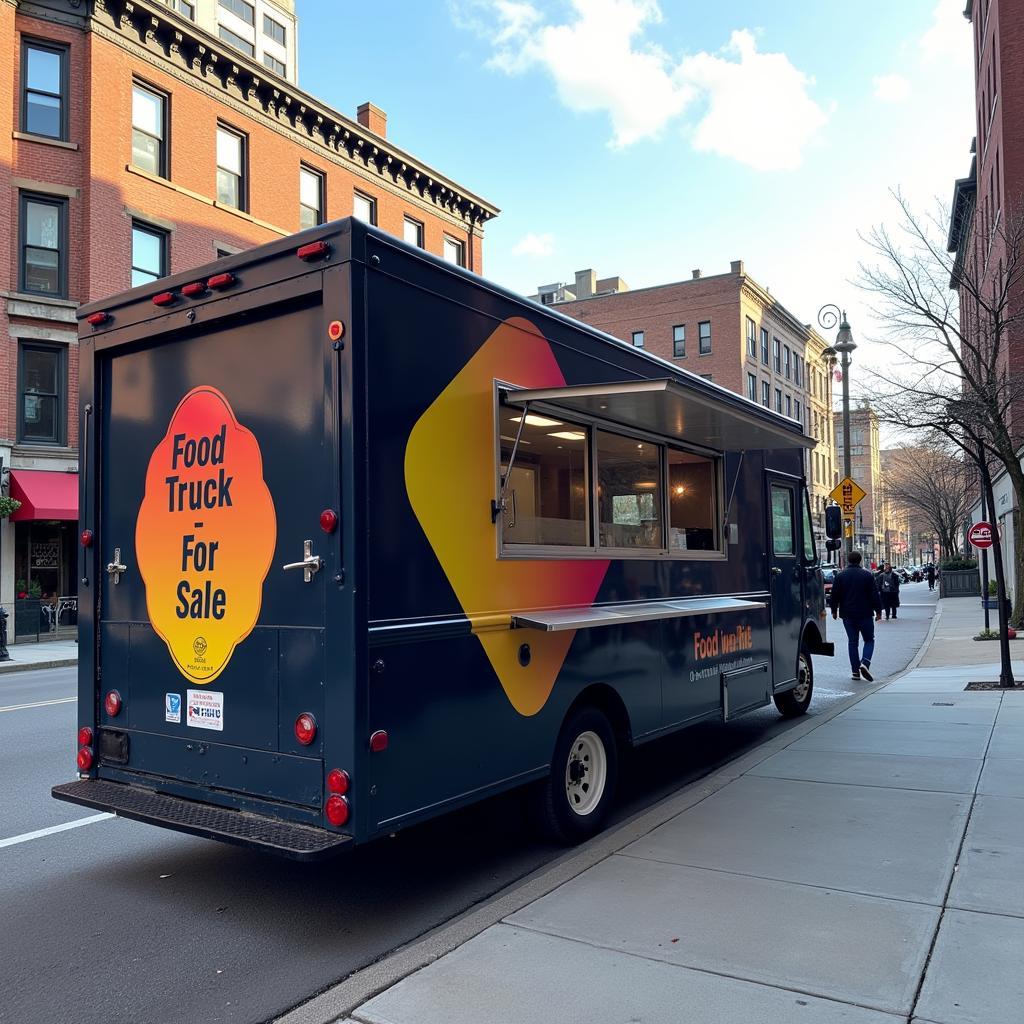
<point>39,833</point>
<point>39,704</point>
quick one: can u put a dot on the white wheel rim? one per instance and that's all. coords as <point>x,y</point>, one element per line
<point>586,772</point>
<point>803,680</point>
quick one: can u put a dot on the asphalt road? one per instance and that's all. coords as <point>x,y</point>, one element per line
<point>123,923</point>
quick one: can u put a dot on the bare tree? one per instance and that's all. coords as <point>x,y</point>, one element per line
<point>949,320</point>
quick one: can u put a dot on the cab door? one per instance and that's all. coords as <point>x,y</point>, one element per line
<point>785,573</point>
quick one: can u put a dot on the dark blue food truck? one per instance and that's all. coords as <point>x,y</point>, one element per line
<point>366,538</point>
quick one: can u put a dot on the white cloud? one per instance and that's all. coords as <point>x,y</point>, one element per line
<point>532,244</point>
<point>949,36</point>
<point>891,88</point>
<point>758,110</point>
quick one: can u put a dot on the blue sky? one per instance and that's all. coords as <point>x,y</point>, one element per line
<point>645,139</point>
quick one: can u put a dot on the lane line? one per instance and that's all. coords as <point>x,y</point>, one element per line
<point>39,833</point>
<point>39,704</point>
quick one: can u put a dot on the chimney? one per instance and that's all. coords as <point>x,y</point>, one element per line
<point>736,266</point>
<point>373,118</point>
<point>586,283</point>
<point>696,274</point>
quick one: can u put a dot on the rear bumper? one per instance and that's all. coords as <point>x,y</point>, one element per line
<point>241,828</point>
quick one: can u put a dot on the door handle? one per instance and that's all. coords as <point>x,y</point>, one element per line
<point>776,571</point>
<point>310,565</point>
<point>116,567</point>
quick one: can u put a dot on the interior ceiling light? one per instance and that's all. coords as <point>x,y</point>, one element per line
<point>569,435</point>
<point>537,421</point>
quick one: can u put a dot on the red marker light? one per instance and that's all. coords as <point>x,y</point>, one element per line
<point>313,251</point>
<point>164,298</point>
<point>305,728</point>
<point>379,741</point>
<point>221,281</point>
<point>97,319</point>
<point>112,703</point>
<point>335,329</point>
<point>84,736</point>
<point>194,290</point>
<point>337,810</point>
<point>328,520</point>
<point>85,759</point>
<point>338,781</point>
<point>86,538</point>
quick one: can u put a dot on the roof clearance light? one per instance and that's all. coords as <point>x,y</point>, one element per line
<point>112,703</point>
<point>313,251</point>
<point>338,781</point>
<point>194,290</point>
<point>337,810</point>
<point>97,319</point>
<point>86,538</point>
<point>221,281</point>
<point>305,728</point>
<point>84,759</point>
<point>164,298</point>
<point>84,736</point>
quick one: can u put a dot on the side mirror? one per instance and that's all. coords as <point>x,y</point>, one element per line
<point>833,545</point>
<point>833,523</point>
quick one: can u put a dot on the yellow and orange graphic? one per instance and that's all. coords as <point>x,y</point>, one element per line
<point>205,535</point>
<point>450,479</point>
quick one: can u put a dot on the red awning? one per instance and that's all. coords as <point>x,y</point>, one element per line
<point>44,495</point>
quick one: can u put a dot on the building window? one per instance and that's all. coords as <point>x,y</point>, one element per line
<point>43,243</point>
<point>638,339</point>
<point>766,394</point>
<point>149,253</point>
<point>454,252</point>
<point>679,341</point>
<point>311,197</point>
<point>44,105</point>
<point>797,369</point>
<point>787,366</point>
<point>797,411</point>
<point>149,130</point>
<point>704,337</point>
<point>273,30</point>
<point>764,345</point>
<point>789,405</point>
<point>240,8</point>
<point>412,232</point>
<point>275,65</point>
<point>777,354</point>
<point>751,387</point>
<point>751,338</point>
<point>235,40</point>
<point>778,400</point>
<point>42,391</point>
<point>231,184</point>
<point>185,8</point>
<point>364,208</point>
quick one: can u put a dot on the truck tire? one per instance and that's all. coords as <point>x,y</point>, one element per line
<point>793,703</point>
<point>573,802</point>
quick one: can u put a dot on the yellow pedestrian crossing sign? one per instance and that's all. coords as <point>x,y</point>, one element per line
<point>849,494</point>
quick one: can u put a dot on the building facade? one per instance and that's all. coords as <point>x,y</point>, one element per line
<point>134,144</point>
<point>869,529</point>
<point>730,330</point>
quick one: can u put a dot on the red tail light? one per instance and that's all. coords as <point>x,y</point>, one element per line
<point>313,251</point>
<point>337,810</point>
<point>164,298</point>
<point>328,520</point>
<point>379,741</point>
<point>221,281</point>
<point>86,538</point>
<point>85,737</point>
<point>193,290</point>
<point>97,319</point>
<point>305,728</point>
<point>84,759</point>
<point>337,781</point>
<point>112,703</point>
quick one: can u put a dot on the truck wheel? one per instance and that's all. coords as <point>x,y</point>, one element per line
<point>793,703</point>
<point>574,800</point>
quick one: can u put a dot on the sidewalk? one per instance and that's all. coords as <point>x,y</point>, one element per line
<point>47,654</point>
<point>866,870</point>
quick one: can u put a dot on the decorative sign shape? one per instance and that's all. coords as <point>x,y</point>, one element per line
<point>980,535</point>
<point>848,494</point>
<point>451,452</point>
<point>205,535</point>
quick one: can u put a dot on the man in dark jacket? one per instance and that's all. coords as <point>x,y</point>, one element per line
<point>855,600</point>
<point>889,590</point>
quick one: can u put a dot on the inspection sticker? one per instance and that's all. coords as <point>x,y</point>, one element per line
<point>206,709</point>
<point>172,707</point>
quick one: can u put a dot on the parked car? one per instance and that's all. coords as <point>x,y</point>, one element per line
<point>828,575</point>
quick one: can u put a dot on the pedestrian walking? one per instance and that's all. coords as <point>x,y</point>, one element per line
<point>855,599</point>
<point>929,573</point>
<point>889,590</point>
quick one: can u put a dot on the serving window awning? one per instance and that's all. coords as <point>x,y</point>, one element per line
<point>558,619</point>
<point>666,407</point>
<point>44,495</point>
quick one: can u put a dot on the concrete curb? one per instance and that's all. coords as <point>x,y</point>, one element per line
<point>338,1002</point>
<point>29,666</point>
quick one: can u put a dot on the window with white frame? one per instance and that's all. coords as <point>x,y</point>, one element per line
<point>231,169</point>
<point>638,339</point>
<point>704,337</point>
<point>364,208</point>
<point>412,232</point>
<point>454,251</point>
<point>311,197</point>
<point>679,341</point>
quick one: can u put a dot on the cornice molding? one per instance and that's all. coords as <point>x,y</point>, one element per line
<point>189,54</point>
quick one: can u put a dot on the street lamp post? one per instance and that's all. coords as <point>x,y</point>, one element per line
<point>828,316</point>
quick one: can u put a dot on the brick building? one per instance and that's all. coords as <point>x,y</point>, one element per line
<point>728,329</point>
<point>133,144</point>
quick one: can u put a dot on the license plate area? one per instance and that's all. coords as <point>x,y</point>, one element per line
<point>113,746</point>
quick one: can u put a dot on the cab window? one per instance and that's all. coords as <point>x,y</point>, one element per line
<point>810,555</point>
<point>783,521</point>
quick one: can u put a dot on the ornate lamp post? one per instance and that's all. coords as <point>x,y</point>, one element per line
<point>828,316</point>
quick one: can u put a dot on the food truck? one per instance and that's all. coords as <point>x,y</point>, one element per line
<point>366,538</point>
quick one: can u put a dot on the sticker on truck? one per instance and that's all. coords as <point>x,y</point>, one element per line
<point>205,710</point>
<point>205,535</point>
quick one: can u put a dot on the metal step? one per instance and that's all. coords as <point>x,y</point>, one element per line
<point>242,828</point>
